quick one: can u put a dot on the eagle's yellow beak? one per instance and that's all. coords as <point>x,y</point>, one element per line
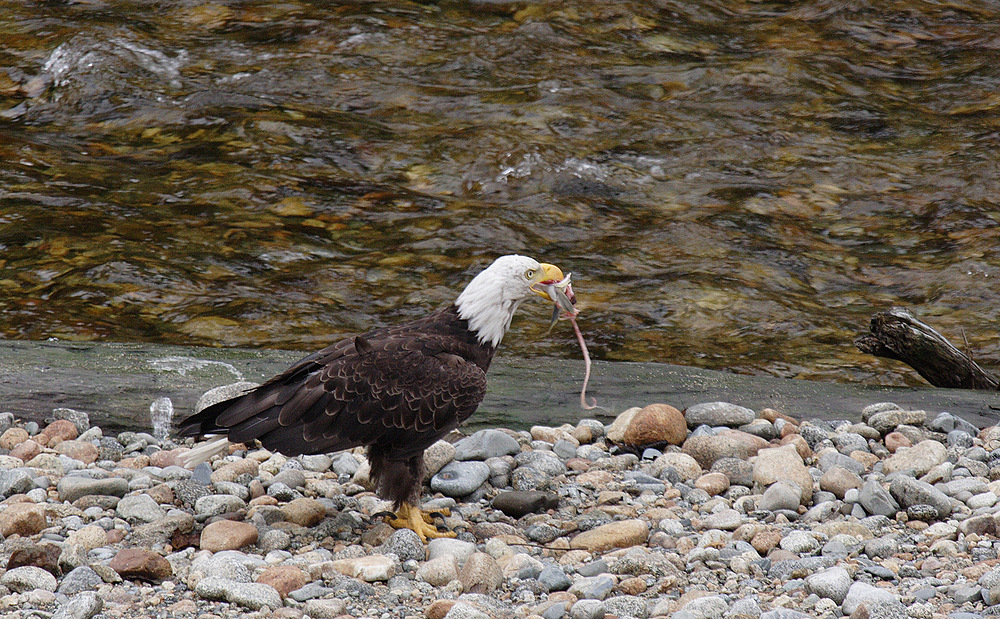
<point>548,274</point>
<point>550,283</point>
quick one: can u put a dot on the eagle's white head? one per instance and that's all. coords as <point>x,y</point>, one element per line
<point>489,301</point>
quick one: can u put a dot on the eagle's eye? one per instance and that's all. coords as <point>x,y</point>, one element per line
<point>529,273</point>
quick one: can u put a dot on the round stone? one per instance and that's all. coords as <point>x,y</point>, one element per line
<point>459,479</point>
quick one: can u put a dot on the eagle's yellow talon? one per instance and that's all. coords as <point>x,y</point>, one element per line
<point>412,518</point>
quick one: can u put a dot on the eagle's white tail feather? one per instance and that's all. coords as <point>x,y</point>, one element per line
<point>205,452</point>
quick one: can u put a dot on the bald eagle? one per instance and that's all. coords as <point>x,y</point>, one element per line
<point>395,390</point>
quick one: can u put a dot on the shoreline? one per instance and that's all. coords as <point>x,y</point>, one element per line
<point>119,383</point>
<point>719,510</point>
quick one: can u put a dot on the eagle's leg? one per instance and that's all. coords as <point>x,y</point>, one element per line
<point>400,481</point>
<point>413,518</point>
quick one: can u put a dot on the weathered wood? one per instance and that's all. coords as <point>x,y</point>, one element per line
<point>897,334</point>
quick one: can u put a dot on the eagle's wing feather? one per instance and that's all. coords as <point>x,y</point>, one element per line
<point>395,389</point>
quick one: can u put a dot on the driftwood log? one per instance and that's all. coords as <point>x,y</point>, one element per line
<point>897,334</point>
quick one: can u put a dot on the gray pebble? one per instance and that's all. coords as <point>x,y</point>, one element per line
<point>83,606</point>
<point>405,544</point>
<point>946,422</point>
<point>861,592</point>
<point>344,464</point>
<point>15,481</point>
<point>587,609</point>
<point>250,595</point>
<point>310,591</point>
<point>526,479</point>
<point>486,444</point>
<point>718,414</point>
<point>553,578</point>
<point>593,587</point>
<point>909,491</point>
<point>875,499</point>
<point>542,533</point>
<point>317,463</point>
<point>81,578</point>
<point>832,583</point>
<point>139,508</point>
<point>292,478</point>
<point>781,495</point>
<point>27,578</point>
<point>799,542</point>
<point>556,611</point>
<point>459,479</point>
<point>626,606</point>
<point>215,504</point>
<point>282,492</point>
<point>73,487</point>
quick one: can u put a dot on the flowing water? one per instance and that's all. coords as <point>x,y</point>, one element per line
<point>734,185</point>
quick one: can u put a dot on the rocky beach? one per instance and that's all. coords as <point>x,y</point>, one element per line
<point>714,511</point>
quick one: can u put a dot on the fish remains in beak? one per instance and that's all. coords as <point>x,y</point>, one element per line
<point>559,290</point>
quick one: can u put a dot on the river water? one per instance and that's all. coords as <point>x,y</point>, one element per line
<point>735,185</point>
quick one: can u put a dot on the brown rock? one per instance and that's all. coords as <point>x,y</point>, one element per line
<point>25,450</point>
<point>24,519</point>
<point>162,494</point>
<point>623,534</point>
<point>257,491</point>
<point>137,462</point>
<point>839,480</point>
<point>782,463</point>
<point>595,479</point>
<point>772,415</point>
<point>141,564</point>
<point>88,538</point>
<point>227,535</point>
<point>633,586</point>
<point>893,441</point>
<point>304,512</point>
<point>583,434</point>
<point>231,471</point>
<point>616,432</point>
<point>800,444</point>
<point>369,568</point>
<point>56,432</point>
<point>866,458</point>
<point>165,458</point>
<point>712,483</point>
<point>707,449</point>
<point>753,443</point>
<point>656,424</point>
<point>115,536</point>
<point>284,578</point>
<point>84,451</point>
<point>439,608</point>
<point>764,541</point>
<point>480,574</point>
<point>13,437</point>
<point>45,556</point>
<point>685,465</point>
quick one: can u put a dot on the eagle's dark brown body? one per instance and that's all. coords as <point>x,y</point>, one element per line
<point>396,390</point>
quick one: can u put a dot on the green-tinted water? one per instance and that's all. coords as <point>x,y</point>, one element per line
<point>734,185</point>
